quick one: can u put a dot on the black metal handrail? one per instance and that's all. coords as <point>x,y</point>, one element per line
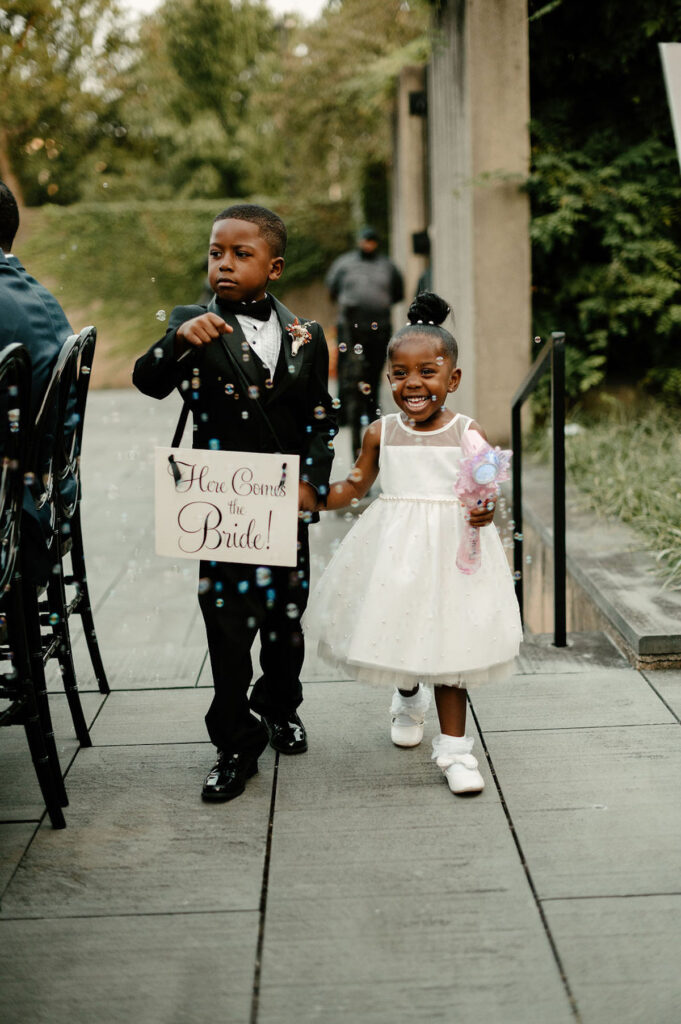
<point>553,355</point>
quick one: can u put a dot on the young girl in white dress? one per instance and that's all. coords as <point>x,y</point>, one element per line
<point>392,607</point>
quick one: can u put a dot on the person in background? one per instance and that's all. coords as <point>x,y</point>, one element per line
<point>365,284</point>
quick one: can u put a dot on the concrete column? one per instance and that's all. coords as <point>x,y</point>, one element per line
<point>478,98</point>
<point>409,187</point>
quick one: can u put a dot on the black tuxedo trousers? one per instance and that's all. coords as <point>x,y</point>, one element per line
<point>238,601</point>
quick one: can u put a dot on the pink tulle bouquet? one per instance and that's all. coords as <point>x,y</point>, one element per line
<point>482,469</point>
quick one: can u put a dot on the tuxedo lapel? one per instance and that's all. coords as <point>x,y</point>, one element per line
<point>233,345</point>
<point>288,365</point>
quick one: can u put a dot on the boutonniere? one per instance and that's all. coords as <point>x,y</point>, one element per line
<point>299,334</point>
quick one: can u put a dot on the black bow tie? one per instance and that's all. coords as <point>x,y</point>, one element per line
<point>259,310</point>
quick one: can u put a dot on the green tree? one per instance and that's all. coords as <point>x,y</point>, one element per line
<point>57,62</point>
<point>605,186</point>
<point>324,118</point>
<point>186,98</point>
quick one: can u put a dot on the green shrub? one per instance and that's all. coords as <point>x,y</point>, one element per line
<point>628,464</point>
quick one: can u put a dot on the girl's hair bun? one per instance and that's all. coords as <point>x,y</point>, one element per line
<point>428,308</point>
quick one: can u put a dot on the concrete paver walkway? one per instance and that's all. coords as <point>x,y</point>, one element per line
<point>347,884</point>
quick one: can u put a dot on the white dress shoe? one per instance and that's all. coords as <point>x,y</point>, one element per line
<point>463,776</point>
<point>407,717</point>
<point>453,756</point>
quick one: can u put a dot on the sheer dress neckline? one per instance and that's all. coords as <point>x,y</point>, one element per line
<point>421,433</point>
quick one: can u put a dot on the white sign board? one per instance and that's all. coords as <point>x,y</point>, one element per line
<point>671,64</point>
<point>227,506</point>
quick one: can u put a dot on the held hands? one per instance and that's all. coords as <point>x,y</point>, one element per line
<point>202,330</point>
<point>307,497</point>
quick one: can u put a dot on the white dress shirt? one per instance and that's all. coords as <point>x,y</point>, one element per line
<point>264,337</point>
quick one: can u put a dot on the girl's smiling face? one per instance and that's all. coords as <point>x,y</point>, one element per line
<point>421,375</point>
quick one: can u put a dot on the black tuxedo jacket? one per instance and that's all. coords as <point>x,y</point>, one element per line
<point>296,400</point>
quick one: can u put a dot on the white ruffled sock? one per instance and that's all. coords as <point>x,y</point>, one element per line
<point>446,749</point>
<point>420,701</point>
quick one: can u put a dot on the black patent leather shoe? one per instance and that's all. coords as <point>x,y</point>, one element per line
<point>287,735</point>
<point>227,778</point>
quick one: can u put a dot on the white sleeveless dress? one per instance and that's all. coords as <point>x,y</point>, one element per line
<point>392,607</point>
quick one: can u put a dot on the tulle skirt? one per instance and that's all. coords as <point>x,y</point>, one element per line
<point>392,608</point>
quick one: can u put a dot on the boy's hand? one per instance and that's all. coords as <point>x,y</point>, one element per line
<point>307,497</point>
<point>202,330</point>
<point>481,516</point>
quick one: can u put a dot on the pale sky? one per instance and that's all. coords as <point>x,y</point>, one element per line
<point>308,8</point>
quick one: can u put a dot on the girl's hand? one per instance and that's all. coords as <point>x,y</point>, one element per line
<point>482,516</point>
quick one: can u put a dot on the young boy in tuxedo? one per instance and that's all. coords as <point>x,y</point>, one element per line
<point>225,358</point>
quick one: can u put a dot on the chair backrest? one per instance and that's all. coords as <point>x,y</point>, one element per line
<point>72,414</point>
<point>56,443</point>
<point>15,394</point>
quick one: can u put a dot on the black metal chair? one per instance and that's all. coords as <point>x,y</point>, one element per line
<point>54,460</point>
<point>68,495</point>
<point>24,694</point>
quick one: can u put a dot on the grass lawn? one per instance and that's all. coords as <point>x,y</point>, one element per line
<point>628,464</point>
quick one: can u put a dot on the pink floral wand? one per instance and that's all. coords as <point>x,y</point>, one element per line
<point>482,469</point>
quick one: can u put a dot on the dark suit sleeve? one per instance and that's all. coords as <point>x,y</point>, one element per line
<point>159,370</point>
<point>320,429</point>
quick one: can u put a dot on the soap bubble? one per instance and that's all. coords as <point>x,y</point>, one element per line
<point>517,536</point>
<point>244,415</point>
<point>219,602</point>
<point>336,403</point>
<point>54,619</point>
<point>354,502</point>
<point>196,383</point>
<point>229,389</point>
<point>537,340</point>
<point>214,444</point>
<point>364,388</point>
<point>342,347</point>
<point>517,575</point>
<point>292,610</point>
<point>253,391</point>
<point>358,350</point>
<point>205,583</point>
<point>161,315</point>
<point>245,346</point>
<point>269,383</point>
<point>374,326</point>
<point>319,412</point>
<point>263,576</point>
<point>242,586</point>
<point>158,353</point>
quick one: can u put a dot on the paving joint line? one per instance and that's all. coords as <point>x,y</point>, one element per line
<point>582,728</point>
<point>661,698</point>
<point>528,874</point>
<point>257,973</point>
<point>608,896</point>
<point>124,914</point>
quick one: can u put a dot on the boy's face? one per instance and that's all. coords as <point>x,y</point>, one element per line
<point>240,261</point>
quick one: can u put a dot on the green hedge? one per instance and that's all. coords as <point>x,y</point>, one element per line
<point>119,263</point>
